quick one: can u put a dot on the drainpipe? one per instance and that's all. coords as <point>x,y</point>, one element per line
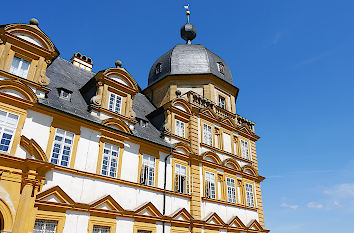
<point>164,191</point>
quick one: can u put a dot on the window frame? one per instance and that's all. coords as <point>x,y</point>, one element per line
<point>206,184</point>
<point>176,128</point>
<point>6,127</point>
<point>146,165</point>
<point>15,71</point>
<point>251,195</point>
<point>114,104</point>
<point>234,190</point>
<point>110,156</point>
<point>99,226</point>
<point>70,156</point>
<point>242,141</point>
<point>220,97</point>
<point>211,134</point>
<point>175,182</point>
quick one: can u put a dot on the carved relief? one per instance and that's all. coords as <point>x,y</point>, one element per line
<point>97,99</point>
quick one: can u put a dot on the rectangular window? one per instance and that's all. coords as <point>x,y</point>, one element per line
<point>222,103</point>
<point>45,226</point>
<point>147,174</point>
<point>8,126</point>
<point>231,190</point>
<point>181,183</point>
<point>143,231</point>
<point>115,103</point>
<point>20,67</point>
<point>210,185</point>
<point>249,195</point>
<point>100,229</point>
<point>110,160</point>
<point>179,128</point>
<point>221,67</point>
<point>244,149</point>
<point>207,135</point>
<point>62,147</point>
<point>227,142</point>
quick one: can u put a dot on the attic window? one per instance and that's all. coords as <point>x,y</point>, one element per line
<point>221,67</point>
<point>158,68</point>
<point>64,94</point>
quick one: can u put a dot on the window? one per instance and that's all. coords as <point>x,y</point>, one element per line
<point>181,184</point>
<point>249,195</point>
<point>231,190</point>
<point>221,67</point>
<point>100,229</point>
<point>64,94</point>
<point>110,160</point>
<point>158,68</point>
<point>142,231</point>
<point>8,126</point>
<point>44,226</point>
<point>179,128</point>
<point>210,185</point>
<point>244,149</point>
<point>207,135</point>
<point>115,103</point>
<point>222,103</point>
<point>62,147</point>
<point>20,67</point>
<point>147,170</point>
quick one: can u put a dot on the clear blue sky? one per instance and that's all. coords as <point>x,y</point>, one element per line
<point>292,60</point>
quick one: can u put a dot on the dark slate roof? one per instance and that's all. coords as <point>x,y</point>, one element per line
<point>63,74</point>
<point>189,59</point>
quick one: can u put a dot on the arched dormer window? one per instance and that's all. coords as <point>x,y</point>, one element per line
<point>221,67</point>
<point>158,68</point>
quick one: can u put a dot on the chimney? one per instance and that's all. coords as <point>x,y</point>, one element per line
<point>82,61</point>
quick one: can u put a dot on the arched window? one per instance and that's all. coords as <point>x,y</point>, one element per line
<point>158,68</point>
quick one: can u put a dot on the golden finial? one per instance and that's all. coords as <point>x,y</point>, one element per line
<point>188,13</point>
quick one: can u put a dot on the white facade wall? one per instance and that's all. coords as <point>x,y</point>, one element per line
<point>86,190</point>
<point>227,212</point>
<point>37,127</point>
<point>87,150</point>
<point>76,222</point>
<point>130,161</point>
<point>124,225</point>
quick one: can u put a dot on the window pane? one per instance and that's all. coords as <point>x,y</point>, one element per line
<point>62,147</point>
<point>110,160</point>
<point>45,226</point>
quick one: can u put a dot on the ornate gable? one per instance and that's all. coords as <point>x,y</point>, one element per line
<point>254,225</point>
<point>209,113</point>
<point>55,194</point>
<point>32,148</point>
<point>236,222</point>
<point>107,203</point>
<point>182,215</point>
<point>215,219</point>
<point>148,209</point>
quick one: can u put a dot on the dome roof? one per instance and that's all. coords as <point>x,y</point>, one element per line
<point>189,59</point>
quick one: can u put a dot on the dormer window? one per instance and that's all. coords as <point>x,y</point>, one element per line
<point>222,103</point>
<point>115,103</point>
<point>158,68</point>
<point>19,67</point>
<point>221,67</point>
<point>64,94</point>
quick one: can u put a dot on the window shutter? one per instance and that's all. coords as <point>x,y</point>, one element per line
<point>176,183</point>
<point>142,175</point>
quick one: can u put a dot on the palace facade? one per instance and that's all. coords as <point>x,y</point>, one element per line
<point>93,152</point>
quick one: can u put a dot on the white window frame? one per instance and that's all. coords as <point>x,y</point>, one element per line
<point>245,151</point>
<point>115,103</point>
<point>100,229</point>
<point>249,191</point>
<point>222,104</point>
<point>8,127</point>
<point>18,70</point>
<point>181,179</point>
<point>180,128</point>
<point>110,160</point>
<point>66,136</point>
<point>147,171</point>
<point>210,185</point>
<point>41,226</point>
<point>231,190</point>
<point>208,134</point>
<point>64,94</point>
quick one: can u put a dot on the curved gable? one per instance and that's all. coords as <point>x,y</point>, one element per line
<point>16,86</point>
<point>31,34</point>
<point>184,147</point>
<point>232,163</point>
<point>182,105</point>
<point>117,123</point>
<point>250,170</point>
<point>121,76</point>
<point>213,156</point>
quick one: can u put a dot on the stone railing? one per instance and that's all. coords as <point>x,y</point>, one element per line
<point>200,101</point>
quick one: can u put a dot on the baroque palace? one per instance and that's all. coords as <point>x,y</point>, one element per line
<point>93,152</point>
